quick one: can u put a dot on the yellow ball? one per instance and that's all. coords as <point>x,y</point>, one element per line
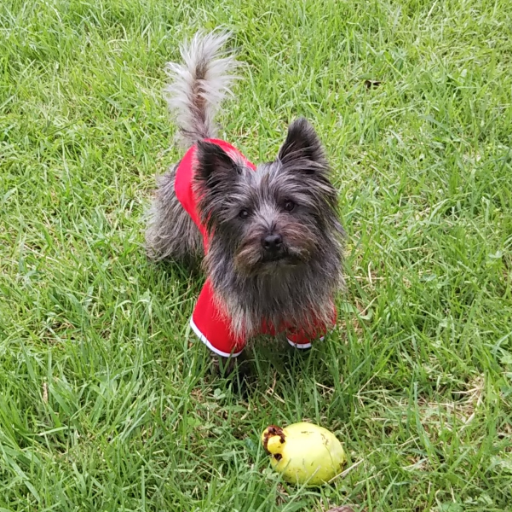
<point>304,453</point>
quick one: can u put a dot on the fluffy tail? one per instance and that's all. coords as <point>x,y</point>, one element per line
<point>199,84</point>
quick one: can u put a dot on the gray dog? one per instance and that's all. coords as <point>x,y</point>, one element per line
<point>269,234</point>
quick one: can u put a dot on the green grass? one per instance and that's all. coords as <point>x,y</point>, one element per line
<point>106,401</point>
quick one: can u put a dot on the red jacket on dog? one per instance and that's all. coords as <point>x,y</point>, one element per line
<point>209,320</point>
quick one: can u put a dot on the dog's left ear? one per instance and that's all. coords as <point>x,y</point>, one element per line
<point>302,144</point>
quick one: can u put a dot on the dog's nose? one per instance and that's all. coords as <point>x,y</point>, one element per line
<point>272,243</point>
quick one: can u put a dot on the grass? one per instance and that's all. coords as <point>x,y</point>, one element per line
<point>106,401</point>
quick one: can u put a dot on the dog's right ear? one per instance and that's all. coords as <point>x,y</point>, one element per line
<point>214,165</point>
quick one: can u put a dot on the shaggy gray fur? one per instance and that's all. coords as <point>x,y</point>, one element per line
<point>170,233</point>
<point>196,89</point>
<point>275,237</point>
<point>198,85</point>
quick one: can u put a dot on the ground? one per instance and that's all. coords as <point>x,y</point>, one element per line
<point>106,399</point>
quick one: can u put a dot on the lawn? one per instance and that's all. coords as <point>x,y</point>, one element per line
<point>107,402</point>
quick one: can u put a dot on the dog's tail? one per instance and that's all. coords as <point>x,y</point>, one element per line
<point>199,84</point>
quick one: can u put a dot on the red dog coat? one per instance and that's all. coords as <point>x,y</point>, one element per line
<point>209,321</point>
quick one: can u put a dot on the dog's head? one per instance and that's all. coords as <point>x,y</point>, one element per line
<point>282,214</point>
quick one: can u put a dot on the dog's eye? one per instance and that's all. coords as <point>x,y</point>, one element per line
<point>289,206</point>
<point>243,214</point>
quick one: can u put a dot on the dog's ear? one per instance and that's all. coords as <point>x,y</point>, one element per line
<point>214,165</point>
<point>302,145</point>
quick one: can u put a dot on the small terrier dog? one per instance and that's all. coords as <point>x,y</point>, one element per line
<point>270,234</point>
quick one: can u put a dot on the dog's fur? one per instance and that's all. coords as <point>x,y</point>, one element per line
<point>275,237</point>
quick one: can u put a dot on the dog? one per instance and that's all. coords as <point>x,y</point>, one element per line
<point>269,236</point>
